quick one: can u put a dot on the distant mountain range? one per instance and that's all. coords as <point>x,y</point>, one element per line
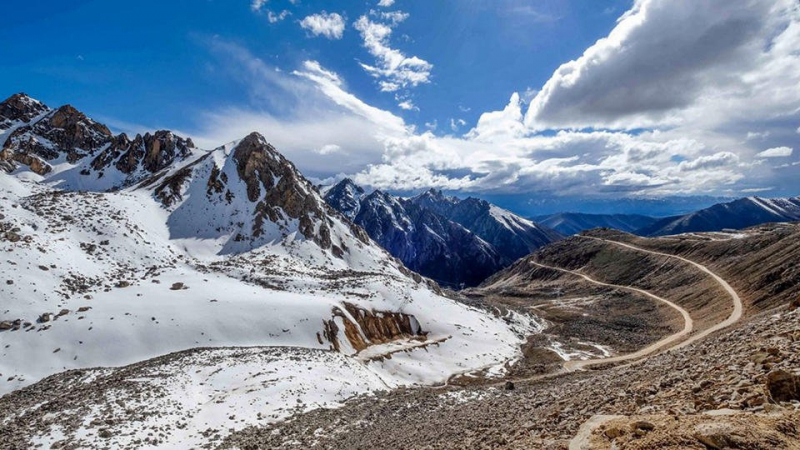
<point>574,223</point>
<point>741,213</point>
<point>450,240</point>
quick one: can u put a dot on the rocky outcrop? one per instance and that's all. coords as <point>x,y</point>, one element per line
<point>371,327</point>
<point>19,108</point>
<point>151,152</point>
<point>64,131</point>
<point>44,135</point>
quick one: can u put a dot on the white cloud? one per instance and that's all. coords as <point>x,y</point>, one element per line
<point>386,3</point>
<point>273,18</point>
<point>256,5</point>
<point>456,124</point>
<point>327,149</point>
<point>392,68</point>
<point>680,62</point>
<point>407,105</point>
<point>329,25</point>
<point>695,143</point>
<point>751,135</point>
<point>776,152</point>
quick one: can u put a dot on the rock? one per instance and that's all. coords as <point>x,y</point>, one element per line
<point>178,286</point>
<point>6,325</point>
<point>613,432</point>
<point>715,435</point>
<point>9,282</point>
<point>643,425</point>
<point>783,386</point>
<point>44,317</point>
<point>123,284</point>
<point>509,386</point>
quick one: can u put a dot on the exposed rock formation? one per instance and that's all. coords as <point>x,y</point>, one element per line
<point>371,327</point>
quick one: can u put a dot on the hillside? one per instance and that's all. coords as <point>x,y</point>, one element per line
<point>731,389</point>
<point>573,223</point>
<point>117,257</point>
<point>738,214</point>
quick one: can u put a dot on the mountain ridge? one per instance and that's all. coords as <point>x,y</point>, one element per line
<point>737,214</point>
<point>447,239</point>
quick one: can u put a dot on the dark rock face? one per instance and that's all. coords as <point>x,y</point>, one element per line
<point>151,152</point>
<point>272,189</point>
<point>738,214</point>
<point>449,240</point>
<point>345,197</point>
<point>43,135</point>
<point>426,242</point>
<point>783,386</point>
<point>62,131</point>
<point>19,108</point>
<point>512,236</point>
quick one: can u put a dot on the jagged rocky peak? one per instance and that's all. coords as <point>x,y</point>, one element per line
<point>251,191</point>
<point>20,107</point>
<point>345,196</point>
<point>61,132</point>
<point>151,152</point>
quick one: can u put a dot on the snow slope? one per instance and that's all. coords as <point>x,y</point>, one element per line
<point>99,279</point>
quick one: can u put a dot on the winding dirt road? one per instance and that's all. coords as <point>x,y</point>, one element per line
<point>688,324</point>
<point>632,358</point>
<point>738,307</point>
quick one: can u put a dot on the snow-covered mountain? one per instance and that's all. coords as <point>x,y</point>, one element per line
<point>450,240</point>
<point>574,223</point>
<point>741,213</point>
<point>117,250</point>
<point>513,236</point>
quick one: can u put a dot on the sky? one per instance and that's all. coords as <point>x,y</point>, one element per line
<point>534,99</point>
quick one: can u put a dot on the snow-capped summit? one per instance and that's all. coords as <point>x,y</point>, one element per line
<point>69,149</point>
<point>345,196</point>
<point>741,213</point>
<point>245,195</point>
<point>513,236</point>
<point>19,108</point>
<point>455,242</point>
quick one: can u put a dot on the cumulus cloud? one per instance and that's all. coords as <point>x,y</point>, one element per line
<point>607,124</point>
<point>392,68</point>
<point>386,3</point>
<point>324,24</point>
<point>776,152</point>
<point>672,62</point>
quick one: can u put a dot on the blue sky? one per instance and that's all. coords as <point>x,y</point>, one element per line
<point>524,98</point>
<point>119,59</point>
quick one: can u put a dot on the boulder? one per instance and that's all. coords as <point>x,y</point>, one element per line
<point>783,386</point>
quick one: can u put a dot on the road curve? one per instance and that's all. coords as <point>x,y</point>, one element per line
<point>738,307</point>
<point>688,325</point>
